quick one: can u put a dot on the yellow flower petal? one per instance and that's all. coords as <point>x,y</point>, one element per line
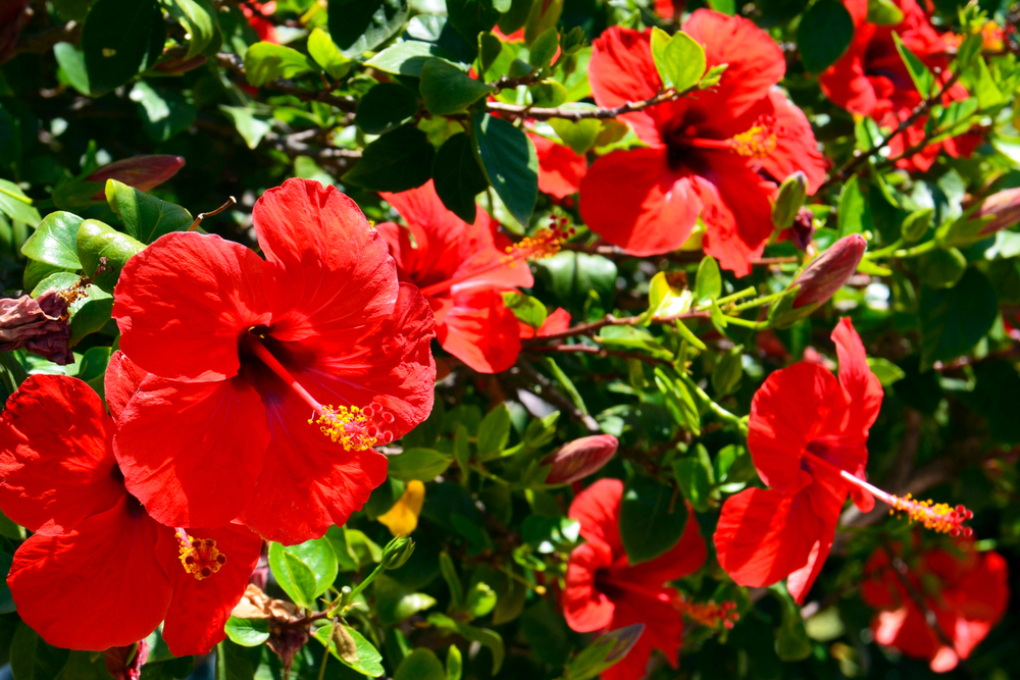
<point>402,518</point>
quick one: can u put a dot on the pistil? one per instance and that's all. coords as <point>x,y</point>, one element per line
<point>199,556</point>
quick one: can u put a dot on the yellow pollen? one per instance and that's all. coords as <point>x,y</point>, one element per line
<point>546,242</point>
<point>348,426</point>
<point>199,556</point>
<point>758,142</point>
<point>939,517</point>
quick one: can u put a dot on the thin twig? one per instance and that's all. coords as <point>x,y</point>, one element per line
<point>201,216</point>
<point>610,320</point>
<point>600,351</point>
<point>550,392</point>
<point>233,63</point>
<point>600,113</point>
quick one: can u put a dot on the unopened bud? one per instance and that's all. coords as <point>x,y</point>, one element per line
<point>791,196</point>
<point>829,271</point>
<point>141,172</point>
<point>125,663</point>
<point>397,552</point>
<point>1004,206</point>
<point>37,325</point>
<point>577,459</point>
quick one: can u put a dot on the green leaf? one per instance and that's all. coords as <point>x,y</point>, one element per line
<point>247,632</point>
<point>164,113</point>
<point>357,26</point>
<point>120,39</point>
<point>487,638</point>
<point>727,371</point>
<point>679,402</point>
<point>145,217</point>
<point>327,55</point>
<point>89,315</point>
<point>397,161</point>
<point>454,663</point>
<point>510,163</point>
<point>941,268</point>
<point>295,576</point>
<point>405,58</point>
<point>853,214</point>
<point>16,205</point>
<point>446,89</point>
<point>579,136</point>
<point>72,10</point>
<point>923,79</point>
<point>825,32</point>
<point>652,519</point>
<point>421,664</point>
<point>395,603</point>
<point>266,61</point>
<point>695,477</point>
<point>471,17</point>
<point>252,128</point>
<point>72,62</point>
<point>543,49</point>
<point>385,107</point>
<point>792,643</point>
<point>318,554</point>
<point>545,14</point>
<point>97,240</point>
<point>708,284</point>
<point>457,176</point>
<point>988,93</point>
<point>916,225</point>
<point>32,659</point>
<point>514,19</point>
<point>233,662</point>
<point>604,652</point>
<point>884,13</point>
<point>952,320</point>
<point>494,432</point>
<point>369,660</point>
<point>679,59</point>
<point>55,241</point>
<point>422,464</point>
<point>198,18</point>
<point>527,309</point>
<point>886,371</point>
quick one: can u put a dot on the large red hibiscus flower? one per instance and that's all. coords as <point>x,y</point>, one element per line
<point>714,156</point>
<point>604,591</point>
<point>99,572</point>
<point>463,271</point>
<point>808,436</point>
<point>560,168</point>
<point>966,590</point>
<point>270,380</point>
<point>872,80</point>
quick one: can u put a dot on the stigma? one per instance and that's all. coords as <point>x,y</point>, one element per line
<point>546,242</point>
<point>758,141</point>
<point>939,517</point>
<point>352,427</point>
<point>199,556</point>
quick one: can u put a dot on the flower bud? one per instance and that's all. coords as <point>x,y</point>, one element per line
<point>38,325</point>
<point>789,200</point>
<point>125,663</point>
<point>141,172</point>
<point>577,459</point>
<point>1004,206</point>
<point>397,552</point>
<point>829,271</point>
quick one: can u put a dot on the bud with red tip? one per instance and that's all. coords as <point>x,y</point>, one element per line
<point>819,281</point>
<point>141,172</point>
<point>38,325</point>
<point>1004,207</point>
<point>125,663</point>
<point>577,459</point>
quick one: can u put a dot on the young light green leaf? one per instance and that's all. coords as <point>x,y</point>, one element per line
<point>923,78</point>
<point>266,61</point>
<point>55,241</point>
<point>327,55</point>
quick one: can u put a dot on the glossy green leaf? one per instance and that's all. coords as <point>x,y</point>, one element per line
<point>679,59</point>
<point>406,58</point>
<point>852,212</point>
<point>446,89</point>
<point>397,161</point>
<point>295,576</point>
<point>120,39</point>
<point>199,19</point>
<point>952,320</point>
<point>652,519</point>
<point>825,32</point>
<point>247,632</point>
<point>357,26</point>
<point>55,241</point>
<point>421,464</point>
<point>471,17</point>
<point>510,162</point>
<point>318,554</point>
<point>266,61</point>
<point>96,241</point>
<point>145,217</point>
<point>16,204</point>
<point>327,55</point>
<point>457,176</point>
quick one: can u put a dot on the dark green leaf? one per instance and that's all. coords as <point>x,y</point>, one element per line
<point>55,241</point>
<point>471,17</point>
<point>494,432</point>
<point>199,19</point>
<point>571,276</point>
<point>405,58</point>
<point>33,659</point>
<point>234,662</point>
<point>422,664</point>
<point>357,26</point>
<point>395,603</point>
<point>457,176</point>
<point>446,89</point>
<point>120,39</point>
<point>250,126</point>
<point>487,638</point>
<point>516,17</point>
<point>510,163</point>
<point>145,217</point>
<point>694,474</point>
<point>604,651</point>
<point>652,519</point>
<point>397,161</point>
<point>825,32</point>
<point>165,113</point>
<point>941,268</point>
<point>954,319</point>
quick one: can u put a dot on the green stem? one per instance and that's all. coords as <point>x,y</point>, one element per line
<point>364,584</point>
<point>24,199</point>
<point>731,419</point>
<point>739,295</point>
<point>325,655</point>
<point>756,325</point>
<point>920,249</point>
<point>884,252</point>
<point>757,302</point>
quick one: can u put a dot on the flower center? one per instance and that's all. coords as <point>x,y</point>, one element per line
<point>758,141</point>
<point>353,427</point>
<point>199,556</point>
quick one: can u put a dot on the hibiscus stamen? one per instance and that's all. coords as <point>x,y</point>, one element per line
<point>199,556</point>
<point>708,613</point>
<point>352,427</point>
<point>758,141</point>
<point>939,517</point>
<point>546,242</point>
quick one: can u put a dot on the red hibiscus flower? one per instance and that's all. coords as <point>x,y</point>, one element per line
<point>604,591</point>
<point>808,440</point>
<point>966,590</point>
<point>872,80</point>
<point>256,13</point>
<point>554,324</point>
<point>462,269</point>
<point>716,155</point>
<point>560,168</point>
<point>270,380</point>
<point>99,572</point>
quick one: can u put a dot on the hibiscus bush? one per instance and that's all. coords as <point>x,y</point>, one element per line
<point>516,339</point>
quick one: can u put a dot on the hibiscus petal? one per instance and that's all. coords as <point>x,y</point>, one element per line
<point>560,168</point>
<point>122,379</point>
<point>597,508</point>
<point>621,68</point>
<point>481,331</point>
<point>97,587</point>
<point>796,147</point>
<point>755,61</point>
<point>789,410</point>
<point>664,628</point>
<point>183,302</point>
<point>862,386</point>
<point>827,496</point>
<point>56,459</point>
<point>331,271</point>
<point>200,607</point>
<point>633,200</point>
<point>585,607</point>
<point>763,535</point>
<point>191,451</point>
<point>683,559</point>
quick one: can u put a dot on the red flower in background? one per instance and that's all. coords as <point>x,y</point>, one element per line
<point>555,323</point>
<point>604,591</point>
<point>804,428</point>
<point>256,13</point>
<point>967,591</point>
<point>872,80</point>
<point>463,270</point>
<point>716,155</point>
<point>270,380</point>
<point>560,168</point>
<point>99,572</point>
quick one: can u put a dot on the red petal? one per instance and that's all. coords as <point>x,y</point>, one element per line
<point>763,535</point>
<point>663,631</point>
<point>827,501</point>
<point>479,330</point>
<point>633,200</point>
<point>683,559</point>
<point>191,451</point>
<point>123,377</point>
<point>794,406</point>
<point>585,608</point>
<point>99,586</point>
<point>560,168</point>
<point>755,61</point>
<point>199,608</point>
<point>332,272</point>
<point>796,148</point>
<point>597,508</point>
<point>621,68</point>
<point>861,385</point>
<point>183,302</point>
<point>557,322</point>
<point>56,459</point>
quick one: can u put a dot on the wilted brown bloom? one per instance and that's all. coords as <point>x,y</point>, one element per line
<point>38,325</point>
